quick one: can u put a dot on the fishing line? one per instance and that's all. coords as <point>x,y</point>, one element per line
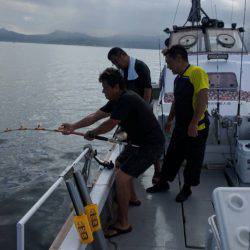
<point>232,12</point>
<point>176,12</point>
<point>160,54</point>
<point>212,11</point>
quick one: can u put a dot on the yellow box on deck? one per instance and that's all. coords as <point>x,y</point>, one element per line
<point>91,211</point>
<point>83,228</point>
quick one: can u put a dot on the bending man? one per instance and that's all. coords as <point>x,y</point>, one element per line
<point>128,110</point>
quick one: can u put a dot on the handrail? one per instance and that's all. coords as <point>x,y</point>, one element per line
<point>215,231</point>
<point>21,223</point>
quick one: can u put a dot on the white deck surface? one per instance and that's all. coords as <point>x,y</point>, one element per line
<point>158,223</point>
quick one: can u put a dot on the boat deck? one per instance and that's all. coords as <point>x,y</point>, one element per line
<point>161,223</point>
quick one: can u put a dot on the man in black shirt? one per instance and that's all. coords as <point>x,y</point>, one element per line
<point>127,109</point>
<point>137,76</point>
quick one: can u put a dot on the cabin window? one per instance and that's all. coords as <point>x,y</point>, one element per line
<point>223,81</point>
<point>224,87</point>
<point>224,40</point>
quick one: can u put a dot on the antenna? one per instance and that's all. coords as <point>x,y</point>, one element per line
<point>195,12</point>
<point>176,11</point>
<point>232,10</point>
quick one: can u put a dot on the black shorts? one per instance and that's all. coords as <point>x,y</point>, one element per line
<point>136,160</point>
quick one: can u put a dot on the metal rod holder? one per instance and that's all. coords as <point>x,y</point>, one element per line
<point>75,198</point>
<point>99,239</point>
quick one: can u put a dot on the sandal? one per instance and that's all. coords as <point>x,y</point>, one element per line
<point>113,231</point>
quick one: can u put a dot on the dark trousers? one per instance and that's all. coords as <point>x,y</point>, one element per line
<point>182,148</point>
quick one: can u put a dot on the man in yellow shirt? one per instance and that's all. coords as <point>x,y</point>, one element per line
<point>189,109</point>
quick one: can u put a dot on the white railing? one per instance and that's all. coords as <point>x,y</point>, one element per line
<point>38,204</point>
<point>213,241</point>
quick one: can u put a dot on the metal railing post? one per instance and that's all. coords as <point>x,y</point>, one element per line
<point>20,236</point>
<point>99,239</point>
<point>21,223</point>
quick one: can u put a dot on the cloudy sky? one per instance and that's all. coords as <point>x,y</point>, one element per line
<point>109,17</point>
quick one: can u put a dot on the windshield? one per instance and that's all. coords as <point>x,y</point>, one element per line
<point>224,40</point>
<point>223,80</point>
<point>192,40</point>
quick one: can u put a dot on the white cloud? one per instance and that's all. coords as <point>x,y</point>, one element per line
<point>232,4</point>
<point>16,5</point>
<point>27,18</point>
<point>108,17</point>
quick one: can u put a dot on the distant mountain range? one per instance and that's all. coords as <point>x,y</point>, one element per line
<point>62,37</point>
<point>69,38</point>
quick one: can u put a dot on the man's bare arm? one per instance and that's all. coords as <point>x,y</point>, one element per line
<point>171,113</point>
<point>147,94</point>
<point>90,119</point>
<point>169,123</point>
<point>105,127</point>
<point>67,128</point>
<point>201,105</point>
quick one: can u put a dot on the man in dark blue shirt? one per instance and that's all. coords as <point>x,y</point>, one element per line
<point>191,126</point>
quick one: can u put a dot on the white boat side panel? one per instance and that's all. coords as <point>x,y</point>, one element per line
<point>233,217</point>
<point>231,65</point>
<point>226,107</point>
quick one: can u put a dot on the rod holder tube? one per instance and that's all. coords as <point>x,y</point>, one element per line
<point>99,239</point>
<point>82,188</point>
<point>75,198</point>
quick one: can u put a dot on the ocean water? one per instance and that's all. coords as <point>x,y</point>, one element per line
<point>47,85</point>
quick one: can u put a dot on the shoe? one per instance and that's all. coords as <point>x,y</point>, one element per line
<point>184,194</point>
<point>158,187</point>
<point>114,231</point>
<point>156,177</point>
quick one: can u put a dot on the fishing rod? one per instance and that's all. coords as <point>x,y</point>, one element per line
<point>40,128</point>
<point>238,116</point>
<point>22,128</point>
<point>161,99</point>
<point>216,113</point>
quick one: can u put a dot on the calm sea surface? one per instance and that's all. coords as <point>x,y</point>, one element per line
<point>47,85</point>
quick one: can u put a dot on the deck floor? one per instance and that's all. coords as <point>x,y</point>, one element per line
<point>159,222</point>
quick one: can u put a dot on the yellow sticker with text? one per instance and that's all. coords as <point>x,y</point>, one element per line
<point>83,228</point>
<point>91,211</point>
